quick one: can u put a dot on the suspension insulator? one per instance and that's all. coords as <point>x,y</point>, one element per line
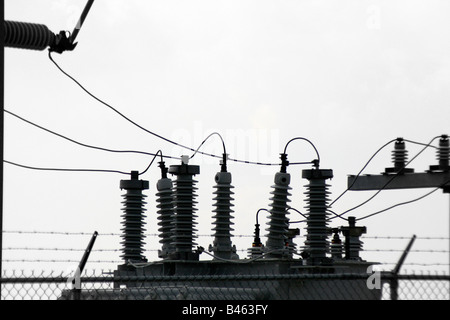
<point>399,158</point>
<point>133,218</point>
<point>183,221</point>
<point>317,232</point>
<point>278,221</point>
<point>164,199</point>
<point>24,35</point>
<point>222,246</point>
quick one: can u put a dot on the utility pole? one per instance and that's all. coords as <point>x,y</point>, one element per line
<point>2,87</point>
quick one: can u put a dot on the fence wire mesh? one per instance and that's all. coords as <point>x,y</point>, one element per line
<point>94,286</point>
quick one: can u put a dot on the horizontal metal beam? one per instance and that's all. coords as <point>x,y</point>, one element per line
<point>400,181</point>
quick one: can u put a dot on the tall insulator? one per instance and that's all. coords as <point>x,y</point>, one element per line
<point>317,232</point>
<point>133,218</point>
<point>277,238</point>
<point>399,158</point>
<point>443,155</point>
<point>222,246</point>
<point>164,199</point>
<point>183,223</point>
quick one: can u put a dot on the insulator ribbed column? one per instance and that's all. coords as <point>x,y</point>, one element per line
<point>336,246</point>
<point>276,243</point>
<point>353,244</point>
<point>443,153</point>
<point>164,199</point>
<point>25,35</point>
<point>133,218</point>
<point>183,223</point>
<point>316,244</point>
<point>399,158</point>
<point>222,246</point>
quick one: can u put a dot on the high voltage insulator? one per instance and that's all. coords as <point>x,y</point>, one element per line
<point>352,244</point>
<point>133,218</point>
<point>316,244</point>
<point>443,155</point>
<point>278,221</point>
<point>164,198</point>
<point>222,246</point>
<point>183,231</point>
<point>399,158</point>
<point>25,35</point>
<point>336,245</point>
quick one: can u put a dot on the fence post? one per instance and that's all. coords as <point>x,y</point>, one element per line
<point>394,273</point>
<point>76,291</point>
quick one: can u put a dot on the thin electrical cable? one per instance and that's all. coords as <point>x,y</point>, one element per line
<point>389,181</point>
<point>304,139</point>
<point>201,144</point>
<point>65,169</point>
<point>81,143</point>
<point>257,214</point>
<point>404,203</point>
<point>151,162</point>
<point>145,129</point>
<point>362,169</point>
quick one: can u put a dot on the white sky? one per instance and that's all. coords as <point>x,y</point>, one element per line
<point>347,75</point>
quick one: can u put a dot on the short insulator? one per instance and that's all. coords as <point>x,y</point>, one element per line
<point>278,220</point>
<point>183,220</point>
<point>443,153</point>
<point>222,246</point>
<point>399,158</point>
<point>317,232</point>
<point>352,244</point>
<point>257,248</point>
<point>336,247</point>
<point>28,35</point>
<point>133,219</point>
<point>164,199</point>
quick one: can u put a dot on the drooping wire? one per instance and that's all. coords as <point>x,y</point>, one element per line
<point>257,214</point>
<point>362,169</point>
<point>403,203</point>
<point>143,128</point>
<point>151,162</point>
<point>84,144</point>
<point>201,144</point>
<point>64,169</point>
<point>389,181</point>
<point>301,138</point>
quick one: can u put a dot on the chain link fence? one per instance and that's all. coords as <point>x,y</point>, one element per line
<point>384,286</point>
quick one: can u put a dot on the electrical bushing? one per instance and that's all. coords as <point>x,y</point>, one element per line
<point>133,218</point>
<point>317,232</point>
<point>164,199</point>
<point>443,155</point>
<point>352,244</point>
<point>399,158</point>
<point>222,246</point>
<point>183,222</point>
<point>278,221</point>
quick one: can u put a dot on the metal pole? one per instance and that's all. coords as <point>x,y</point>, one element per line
<point>2,87</point>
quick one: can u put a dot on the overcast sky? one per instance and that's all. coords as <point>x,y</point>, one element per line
<point>347,75</point>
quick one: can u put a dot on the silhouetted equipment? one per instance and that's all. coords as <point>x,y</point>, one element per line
<point>352,234</point>
<point>316,244</point>
<point>400,177</point>
<point>222,246</point>
<point>34,36</point>
<point>133,218</point>
<point>164,198</point>
<point>278,221</point>
<point>184,192</point>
